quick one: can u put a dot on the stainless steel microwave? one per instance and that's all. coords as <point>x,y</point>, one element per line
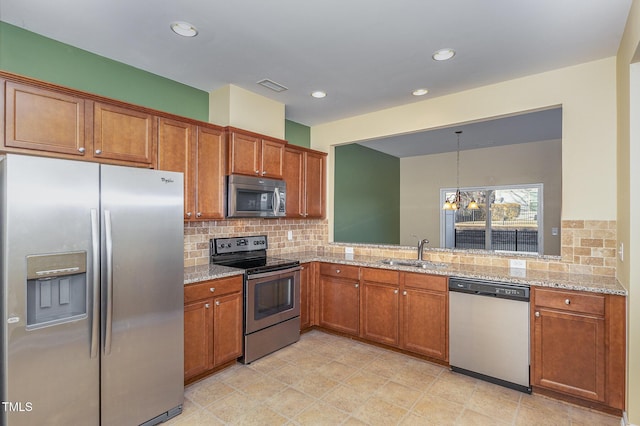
<point>249,196</point>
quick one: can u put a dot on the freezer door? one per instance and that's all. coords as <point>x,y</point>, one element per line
<point>48,374</point>
<point>142,294</point>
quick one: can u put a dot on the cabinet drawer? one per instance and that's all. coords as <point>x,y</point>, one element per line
<point>570,301</point>
<point>340,271</point>
<point>212,288</point>
<point>381,275</point>
<point>425,281</point>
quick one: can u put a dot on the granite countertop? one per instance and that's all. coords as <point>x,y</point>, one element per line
<point>195,274</point>
<point>558,280</point>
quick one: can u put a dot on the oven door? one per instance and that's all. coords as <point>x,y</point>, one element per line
<point>271,297</point>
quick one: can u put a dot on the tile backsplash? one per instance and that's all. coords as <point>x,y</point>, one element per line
<point>307,235</point>
<point>588,246</point>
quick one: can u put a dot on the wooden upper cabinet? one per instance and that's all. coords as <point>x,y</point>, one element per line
<point>272,158</point>
<point>199,153</point>
<point>124,134</point>
<point>45,120</point>
<point>176,146</point>
<point>315,184</point>
<point>255,155</point>
<point>305,175</point>
<point>210,174</point>
<point>244,154</point>
<point>294,177</point>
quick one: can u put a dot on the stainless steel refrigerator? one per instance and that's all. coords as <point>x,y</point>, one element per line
<point>92,293</point>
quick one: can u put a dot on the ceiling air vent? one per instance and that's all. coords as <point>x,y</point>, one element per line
<point>269,84</point>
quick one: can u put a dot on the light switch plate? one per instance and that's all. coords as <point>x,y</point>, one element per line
<point>290,235</point>
<point>348,250</point>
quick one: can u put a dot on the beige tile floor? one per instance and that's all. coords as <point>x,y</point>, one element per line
<point>330,380</point>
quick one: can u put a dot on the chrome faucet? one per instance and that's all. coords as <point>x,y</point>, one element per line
<point>421,243</point>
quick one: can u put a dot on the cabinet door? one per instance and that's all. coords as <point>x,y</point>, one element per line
<point>244,154</point>
<point>305,296</point>
<point>569,353</point>
<point>123,135</point>
<point>44,120</point>
<point>210,173</point>
<point>198,344</point>
<point>175,152</point>
<point>315,185</point>
<point>294,177</point>
<point>425,317</point>
<point>227,328</point>
<point>272,159</point>
<point>379,312</point>
<point>424,323</point>
<point>339,304</point>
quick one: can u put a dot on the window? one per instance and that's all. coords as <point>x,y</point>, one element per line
<point>512,225</point>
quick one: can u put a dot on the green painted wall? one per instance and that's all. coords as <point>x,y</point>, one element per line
<point>26,53</point>
<point>297,134</point>
<point>366,195</point>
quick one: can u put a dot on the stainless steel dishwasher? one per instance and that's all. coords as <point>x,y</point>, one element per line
<point>489,331</point>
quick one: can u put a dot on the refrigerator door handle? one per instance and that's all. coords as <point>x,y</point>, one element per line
<point>95,271</point>
<point>109,273</point>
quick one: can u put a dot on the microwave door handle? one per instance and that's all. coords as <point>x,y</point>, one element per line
<point>276,205</point>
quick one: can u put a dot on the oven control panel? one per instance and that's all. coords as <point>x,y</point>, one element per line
<point>239,244</point>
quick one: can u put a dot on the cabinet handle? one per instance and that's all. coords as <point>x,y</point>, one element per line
<point>206,305</point>
<point>395,291</point>
<point>567,301</point>
<point>257,172</point>
<point>404,293</point>
<point>302,268</point>
<point>337,271</point>
<point>537,314</point>
<point>188,214</point>
<point>212,289</point>
<point>356,285</point>
<point>98,151</point>
<point>81,149</point>
<point>217,303</point>
<point>198,214</point>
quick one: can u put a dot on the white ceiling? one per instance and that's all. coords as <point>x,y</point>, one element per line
<point>535,126</point>
<point>366,54</point>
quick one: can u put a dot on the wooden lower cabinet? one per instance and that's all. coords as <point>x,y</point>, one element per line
<point>306,295</point>
<point>425,315</point>
<point>577,342</point>
<point>399,309</point>
<point>212,325</point>
<point>339,296</point>
<point>380,306</point>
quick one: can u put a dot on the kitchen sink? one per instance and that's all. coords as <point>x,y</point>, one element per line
<point>424,264</point>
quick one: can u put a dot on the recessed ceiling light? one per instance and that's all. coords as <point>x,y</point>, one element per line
<point>443,54</point>
<point>420,92</point>
<point>184,29</point>
<point>319,94</point>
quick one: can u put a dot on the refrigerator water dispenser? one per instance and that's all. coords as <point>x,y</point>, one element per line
<point>56,288</point>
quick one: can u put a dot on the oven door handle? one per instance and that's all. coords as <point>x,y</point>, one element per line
<point>273,273</point>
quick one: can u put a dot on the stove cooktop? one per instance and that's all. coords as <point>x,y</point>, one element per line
<point>248,253</point>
